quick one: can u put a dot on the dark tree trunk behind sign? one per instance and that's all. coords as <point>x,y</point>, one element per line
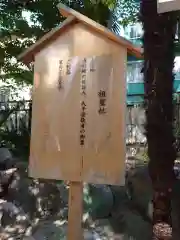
<point>158,41</point>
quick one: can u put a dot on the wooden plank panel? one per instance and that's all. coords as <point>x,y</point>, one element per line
<point>167,5</point>
<point>28,55</point>
<point>92,25</point>
<point>58,150</point>
<point>55,150</point>
<point>104,151</point>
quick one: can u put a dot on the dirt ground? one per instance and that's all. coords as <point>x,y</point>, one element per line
<point>37,210</point>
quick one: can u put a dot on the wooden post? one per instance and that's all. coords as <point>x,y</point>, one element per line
<point>75,212</point>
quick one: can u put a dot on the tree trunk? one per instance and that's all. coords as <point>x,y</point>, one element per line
<point>158,41</point>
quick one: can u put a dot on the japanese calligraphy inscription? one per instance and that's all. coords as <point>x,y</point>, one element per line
<point>82,124</point>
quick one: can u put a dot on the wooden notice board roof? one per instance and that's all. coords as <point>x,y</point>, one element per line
<point>74,17</point>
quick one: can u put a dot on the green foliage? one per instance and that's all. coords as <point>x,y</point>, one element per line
<point>4,114</point>
<point>124,11</point>
<point>17,33</point>
<point>16,140</point>
<point>128,11</point>
<point>145,156</point>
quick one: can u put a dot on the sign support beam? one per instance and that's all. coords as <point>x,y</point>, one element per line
<point>75,212</point>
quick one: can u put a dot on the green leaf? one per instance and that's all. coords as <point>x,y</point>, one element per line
<point>17,34</point>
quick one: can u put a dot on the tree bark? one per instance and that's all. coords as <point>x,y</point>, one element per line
<point>158,43</point>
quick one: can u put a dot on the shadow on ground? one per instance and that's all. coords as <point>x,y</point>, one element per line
<point>37,210</point>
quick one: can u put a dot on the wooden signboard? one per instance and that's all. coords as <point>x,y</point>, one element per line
<point>78,112</point>
<point>78,116</point>
<point>168,5</point>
